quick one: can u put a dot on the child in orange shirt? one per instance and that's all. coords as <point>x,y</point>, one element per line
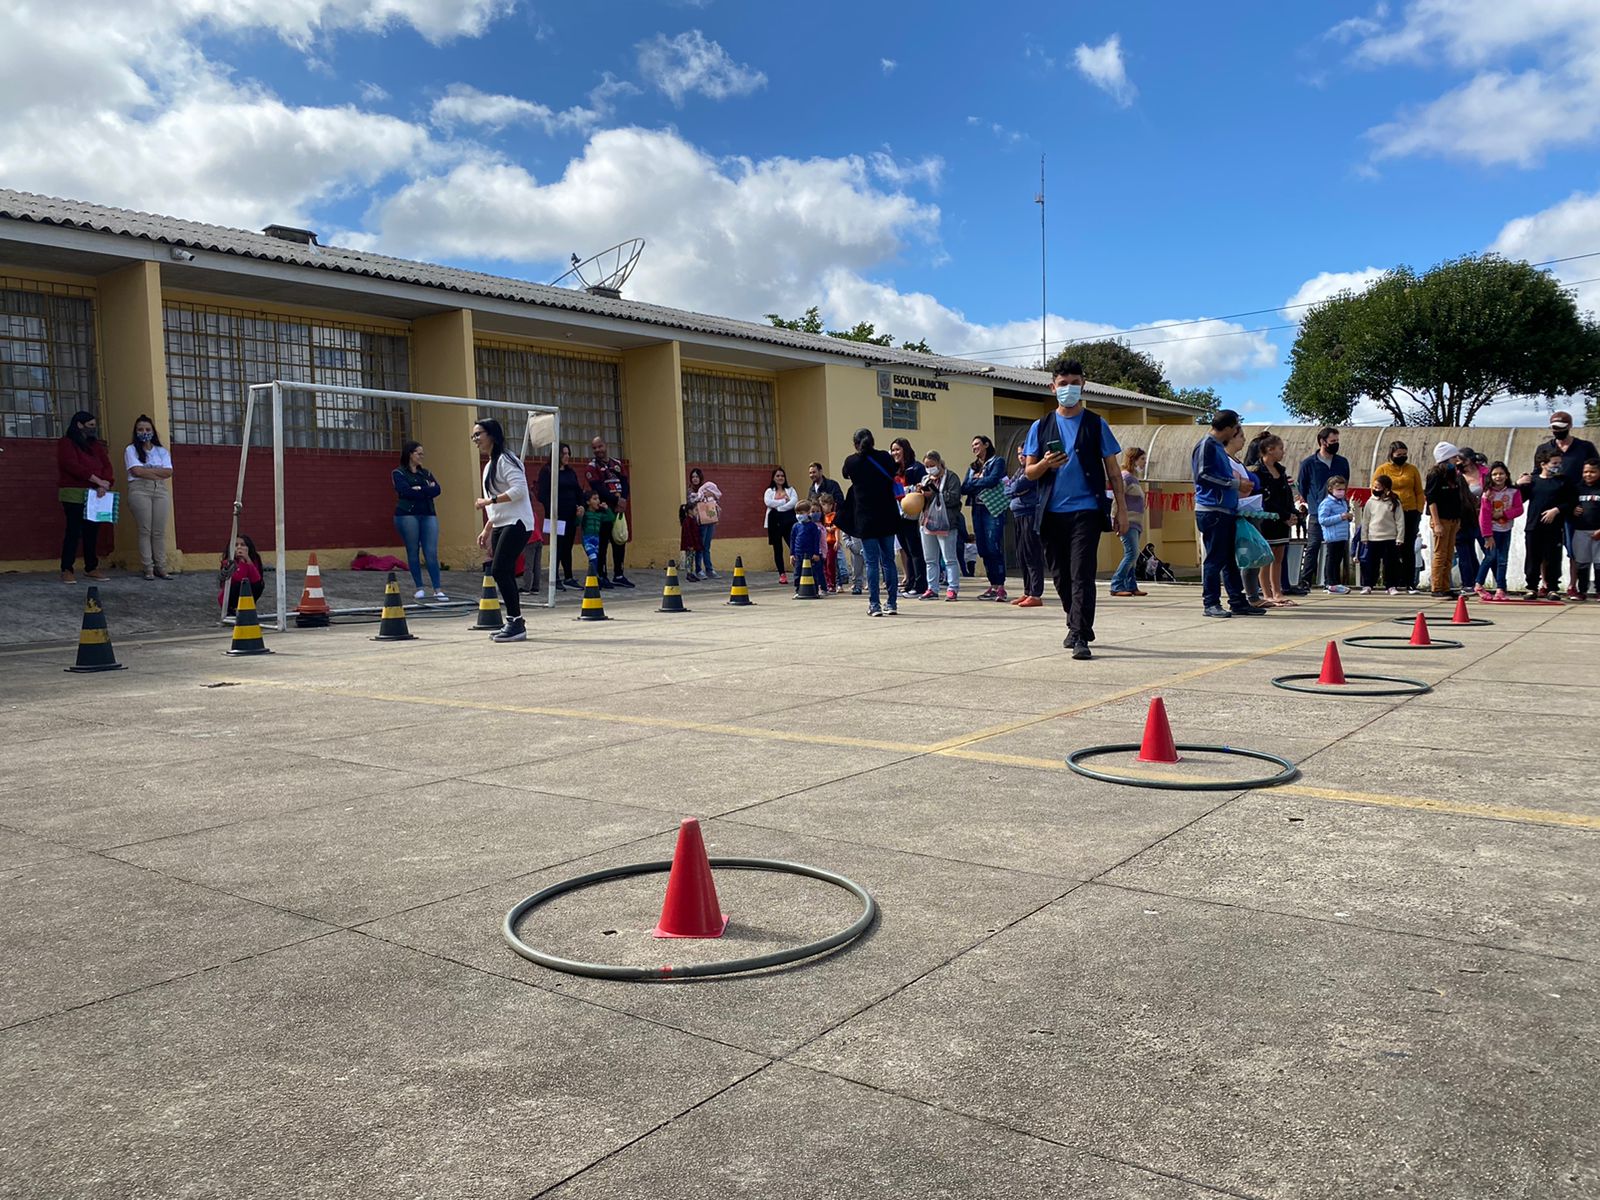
<point>832,540</point>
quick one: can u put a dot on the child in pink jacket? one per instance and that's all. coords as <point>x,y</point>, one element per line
<point>1501,505</point>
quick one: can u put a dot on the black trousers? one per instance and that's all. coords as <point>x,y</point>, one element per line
<point>79,532</point>
<point>1334,557</point>
<point>1384,558</point>
<point>618,550</point>
<point>564,550</point>
<point>916,580</point>
<point>1312,558</point>
<point>505,545</point>
<point>1071,549</point>
<point>1542,546</point>
<point>1032,552</point>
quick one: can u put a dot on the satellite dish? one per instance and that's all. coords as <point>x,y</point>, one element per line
<point>604,274</point>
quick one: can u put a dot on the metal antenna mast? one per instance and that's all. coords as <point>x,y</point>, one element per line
<point>1044,295</point>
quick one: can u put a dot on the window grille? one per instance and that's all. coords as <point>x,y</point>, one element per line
<point>586,388</point>
<point>47,358</point>
<point>900,414</point>
<point>215,354</point>
<point>729,419</point>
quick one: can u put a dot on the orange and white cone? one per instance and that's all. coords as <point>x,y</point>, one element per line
<point>312,612</point>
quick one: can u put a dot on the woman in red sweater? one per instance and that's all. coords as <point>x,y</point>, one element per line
<point>82,465</point>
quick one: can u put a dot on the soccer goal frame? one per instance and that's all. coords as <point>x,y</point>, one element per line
<point>273,393</point>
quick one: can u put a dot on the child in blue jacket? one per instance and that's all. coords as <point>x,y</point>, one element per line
<point>1334,515</point>
<point>805,541</point>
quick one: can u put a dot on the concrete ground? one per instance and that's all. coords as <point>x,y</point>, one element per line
<point>253,948</point>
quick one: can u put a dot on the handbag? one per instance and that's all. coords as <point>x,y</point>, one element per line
<point>936,517</point>
<point>619,529</point>
<point>706,512</point>
<point>1250,549</point>
<point>994,499</point>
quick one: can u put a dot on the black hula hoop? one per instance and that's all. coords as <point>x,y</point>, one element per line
<point>1443,624</point>
<point>1380,642</point>
<point>1289,771</point>
<point>728,966</point>
<point>1415,687</point>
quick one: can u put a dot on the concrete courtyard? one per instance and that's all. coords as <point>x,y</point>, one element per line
<point>252,906</point>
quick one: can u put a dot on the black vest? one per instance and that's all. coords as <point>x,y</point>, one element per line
<point>1087,449</point>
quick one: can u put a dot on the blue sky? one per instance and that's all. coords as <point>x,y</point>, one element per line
<point>1203,160</point>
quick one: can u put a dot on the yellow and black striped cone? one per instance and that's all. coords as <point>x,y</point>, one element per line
<point>672,594</point>
<point>739,593</point>
<point>807,589</point>
<point>489,614</point>
<point>94,639</point>
<point>246,628</point>
<point>393,628</point>
<point>593,609</point>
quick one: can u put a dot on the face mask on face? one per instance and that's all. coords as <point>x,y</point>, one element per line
<point>935,471</point>
<point>1069,394</point>
<point>1333,447</point>
<point>1559,432</point>
<point>145,437</point>
<point>1398,460</point>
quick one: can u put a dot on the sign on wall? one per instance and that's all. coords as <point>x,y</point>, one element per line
<point>894,386</point>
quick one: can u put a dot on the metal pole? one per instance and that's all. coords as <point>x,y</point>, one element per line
<point>1044,293</point>
<point>551,513</point>
<point>238,489</point>
<point>281,561</point>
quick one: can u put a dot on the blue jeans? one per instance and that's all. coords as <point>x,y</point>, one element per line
<point>1467,542</point>
<point>1122,580</point>
<point>1496,558</point>
<point>937,546</point>
<point>879,553</point>
<point>1219,570</point>
<point>989,531</point>
<point>702,558</point>
<point>420,534</point>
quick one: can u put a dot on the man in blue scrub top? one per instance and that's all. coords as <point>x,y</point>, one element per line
<point>1072,455</point>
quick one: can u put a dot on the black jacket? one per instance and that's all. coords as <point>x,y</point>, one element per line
<point>870,510</point>
<point>1087,448</point>
<point>1544,494</point>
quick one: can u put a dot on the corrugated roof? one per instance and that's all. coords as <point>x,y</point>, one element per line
<point>194,235</point>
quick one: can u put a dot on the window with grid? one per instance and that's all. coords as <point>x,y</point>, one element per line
<point>586,388</point>
<point>899,414</point>
<point>47,359</point>
<point>215,354</point>
<point>729,419</point>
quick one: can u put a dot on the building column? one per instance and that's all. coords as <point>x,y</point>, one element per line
<point>801,396</point>
<point>133,382</point>
<point>443,363</point>
<point>652,433</point>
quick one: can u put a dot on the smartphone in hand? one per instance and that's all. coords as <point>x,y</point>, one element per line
<point>1053,446</point>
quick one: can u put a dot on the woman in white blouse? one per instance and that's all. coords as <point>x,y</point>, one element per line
<point>507,521</point>
<point>149,467</point>
<point>780,500</point>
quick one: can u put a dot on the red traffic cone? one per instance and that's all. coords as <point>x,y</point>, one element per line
<point>1461,617</point>
<point>1332,668</point>
<point>1419,632</point>
<point>1157,746</point>
<point>691,909</point>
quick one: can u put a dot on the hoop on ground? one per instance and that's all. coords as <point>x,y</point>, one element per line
<point>1443,624</point>
<point>727,966</point>
<point>1371,641</point>
<point>1414,687</point>
<point>1288,772</point>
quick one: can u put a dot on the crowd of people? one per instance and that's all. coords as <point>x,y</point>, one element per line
<point>1069,484</point>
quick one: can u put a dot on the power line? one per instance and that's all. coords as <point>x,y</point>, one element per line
<point>1002,351</point>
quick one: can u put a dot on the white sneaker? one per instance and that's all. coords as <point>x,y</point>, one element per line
<point>420,595</point>
<point>1366,591</point>
<point>1338,589</point>
<point>1394,591</point>
<point>438,596</point>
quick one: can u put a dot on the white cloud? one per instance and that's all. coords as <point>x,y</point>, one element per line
<point>463,104</point>
<point>888,65</point>
<point>1534,84</point>
<point>691,63</point>
<point>1353,29</point>
<point>891,170</point>
<point>1008,136</point>
<point>1326,285</point>
<point>1104,67</point>
<point>372,93</point>
<point>1569,228</point>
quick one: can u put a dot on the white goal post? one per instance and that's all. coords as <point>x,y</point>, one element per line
<point>532,437</point>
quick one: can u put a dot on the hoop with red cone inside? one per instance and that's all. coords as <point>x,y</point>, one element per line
<point>1419,632</point>
<point>691,909</point>
<point>1157,746</point>
<point>1332,669</point>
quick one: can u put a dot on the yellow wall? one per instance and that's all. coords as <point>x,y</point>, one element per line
<point>442,363</point>
<point>652,441</point>
<point>133,380</point>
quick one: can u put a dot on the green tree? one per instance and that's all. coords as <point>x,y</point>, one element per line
<point>811,322</point>
<point>1205,399</point>
<point>1436,348</point>
<point>1110,362</point>
<point>862,331</point>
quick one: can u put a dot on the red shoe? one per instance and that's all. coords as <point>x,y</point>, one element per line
<point>1030,602</point>
<point>783,577</point>
<point>1000,594</point>
<point>1137,592</point>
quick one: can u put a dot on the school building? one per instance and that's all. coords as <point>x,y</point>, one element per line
<point>121,313</point>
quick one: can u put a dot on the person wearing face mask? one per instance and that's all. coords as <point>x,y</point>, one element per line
<point>985,485</point>
<point>1072,456</point>
<point>1574,452</point>
<point>1442,491</point>
<point>1405,481</point>
<point>149,466</point>
<point>82,466</point>
<point>942,492</point>
<point>1312,484</point>
<point>1218,489</point>
<point>1335,517</point>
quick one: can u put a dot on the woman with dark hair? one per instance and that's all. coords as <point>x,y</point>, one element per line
<point>243,569</point>
<point>149,466</point>
<point>1123,580</point>
<point>82,466</point>
<point>909,473</point>
<point>873,516</point>
<point>507,521</point>
<point>568,511</point>
<point>415,518</point>
<point>780,500</point>
<point>987,474</point>
<point>705,499</point>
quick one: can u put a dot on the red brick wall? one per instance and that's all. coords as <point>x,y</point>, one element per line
<point>32,523</point>
<point>742,488</point>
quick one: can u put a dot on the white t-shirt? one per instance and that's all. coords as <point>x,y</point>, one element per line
<point>154,456</point>
<point>511,481</point>
<point>1252,502</point>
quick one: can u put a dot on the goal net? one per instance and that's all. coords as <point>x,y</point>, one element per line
<point>542,428</point>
